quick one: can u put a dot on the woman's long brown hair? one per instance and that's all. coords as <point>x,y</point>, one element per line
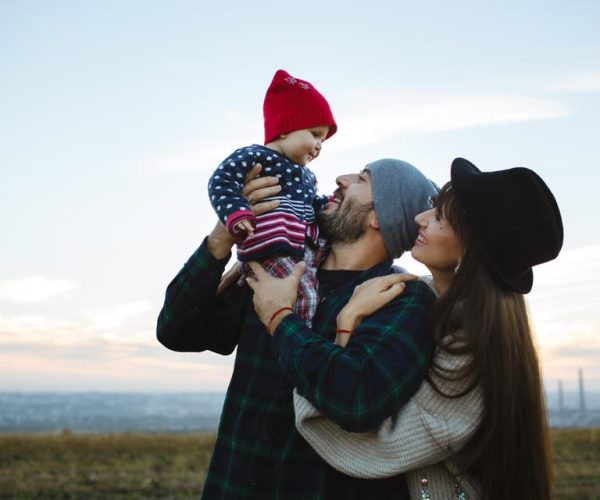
<point>510,454</point>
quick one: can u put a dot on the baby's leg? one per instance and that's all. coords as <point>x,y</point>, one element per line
<point>308,296</point>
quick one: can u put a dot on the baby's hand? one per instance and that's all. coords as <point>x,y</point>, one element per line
<point>244,227</point>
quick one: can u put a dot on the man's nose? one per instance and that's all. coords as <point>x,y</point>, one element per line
<point>343,181</point>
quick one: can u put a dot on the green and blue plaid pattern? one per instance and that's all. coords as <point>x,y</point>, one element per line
<point>258,453</point>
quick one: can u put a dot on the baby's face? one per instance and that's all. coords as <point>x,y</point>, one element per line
<point>303,146</point>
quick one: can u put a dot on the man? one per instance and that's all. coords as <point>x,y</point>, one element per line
<point>258,453</point>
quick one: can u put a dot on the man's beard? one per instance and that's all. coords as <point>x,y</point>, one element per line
<point>347,224</point>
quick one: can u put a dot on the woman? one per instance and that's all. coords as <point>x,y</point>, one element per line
<point>477,428</point>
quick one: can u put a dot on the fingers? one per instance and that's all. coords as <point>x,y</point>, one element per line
<point>265,206</point>
<point>229,277</point>
<point>257,195</point>
<point>299,270</point>
<point>247,227</point>
<point>252,189</point>
<point>258,270</point>
<point>252,173</point>
<point>385,282</point>
<point>393,291</point>
<point>408,276</point>
<point>393,279</point>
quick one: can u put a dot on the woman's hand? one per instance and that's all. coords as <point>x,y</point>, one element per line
<point>271,293</point>
<point>255,190</point>
<point>370,296</point>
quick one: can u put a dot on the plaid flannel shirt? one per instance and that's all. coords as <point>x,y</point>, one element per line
<point>258,452</point>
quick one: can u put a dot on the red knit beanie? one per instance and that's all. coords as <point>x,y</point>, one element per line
<point>294,104</point>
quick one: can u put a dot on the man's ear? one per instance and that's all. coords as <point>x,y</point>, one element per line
<point>372,220</point>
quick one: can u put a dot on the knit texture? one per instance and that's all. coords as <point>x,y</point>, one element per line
<point>258,453</point>
<point>400,191</point>
<point>420,440</point>
<point>284,229</point>
<point>294,104</point>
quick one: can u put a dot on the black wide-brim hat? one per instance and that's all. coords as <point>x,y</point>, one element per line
<point>513,216</point>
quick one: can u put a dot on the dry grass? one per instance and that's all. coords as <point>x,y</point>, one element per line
<point>577,463</point>
<point>123,466</point>
<point>116,466</point>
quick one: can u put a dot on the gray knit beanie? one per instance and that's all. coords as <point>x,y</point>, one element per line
<point>400,192</point>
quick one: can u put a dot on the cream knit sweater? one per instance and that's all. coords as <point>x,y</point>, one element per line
<point>420,440</point>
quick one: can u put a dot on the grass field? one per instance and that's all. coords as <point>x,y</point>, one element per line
<point>123,466</point>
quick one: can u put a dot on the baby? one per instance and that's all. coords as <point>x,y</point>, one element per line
<point>297,119</point>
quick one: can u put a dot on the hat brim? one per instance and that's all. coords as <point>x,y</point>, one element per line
<point>463,175</point>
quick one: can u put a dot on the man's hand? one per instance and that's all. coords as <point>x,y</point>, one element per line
<point>271,293</point>
<point>220,242</point>
<point>255,190</point>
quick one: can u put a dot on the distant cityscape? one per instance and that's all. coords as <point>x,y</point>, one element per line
<point>101,412</point>
<point>581,415</point>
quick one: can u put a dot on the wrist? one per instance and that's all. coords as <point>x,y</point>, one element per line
<point>276,317</point>
<point>347,320</point>
<point>219,243</point>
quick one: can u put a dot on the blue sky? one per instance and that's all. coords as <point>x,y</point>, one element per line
<point>113,114</point>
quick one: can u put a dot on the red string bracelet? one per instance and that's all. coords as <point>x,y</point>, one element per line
<point>280,310</point>
<point>341,330</point>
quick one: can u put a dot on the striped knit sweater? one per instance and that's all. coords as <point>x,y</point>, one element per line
<point>283,230</point>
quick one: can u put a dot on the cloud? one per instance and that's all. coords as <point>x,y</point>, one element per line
<point>564,315</point>
<point>378,116</point>
<point>120,323</point>
<point>33,289</point>
<point>97,348</point>
<point>206,147</point>
<point>589,82</point>
<point>367,118</point>
<point>100,365</point>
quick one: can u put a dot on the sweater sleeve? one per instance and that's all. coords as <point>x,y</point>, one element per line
<point>429,429</point>
<point>361,385</point>
<point>319,202</point>
<point>225,187</point>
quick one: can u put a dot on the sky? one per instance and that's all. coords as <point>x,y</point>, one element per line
<point>113,115</point>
